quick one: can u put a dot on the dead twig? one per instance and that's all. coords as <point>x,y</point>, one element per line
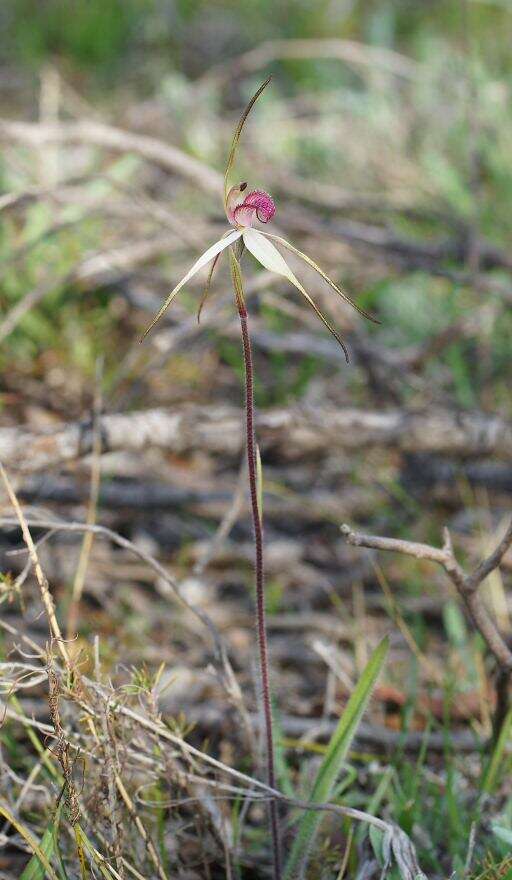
<point>92,271</point>
<point>467,586</point>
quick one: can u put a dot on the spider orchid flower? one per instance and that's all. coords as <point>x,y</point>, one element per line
<point>244,208</point>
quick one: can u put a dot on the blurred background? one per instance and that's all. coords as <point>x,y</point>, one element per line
<point>385,139</point>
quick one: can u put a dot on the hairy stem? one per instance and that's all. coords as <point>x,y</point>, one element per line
<point>260,587</point>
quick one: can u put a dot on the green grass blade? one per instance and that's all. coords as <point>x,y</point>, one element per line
<point>490,774</point>
<point>39,866</point>
<point>35,870</point>
<point>336,753</point>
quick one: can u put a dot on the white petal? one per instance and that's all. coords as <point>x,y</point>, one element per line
<point>270,258</point>
<point>203,260</point>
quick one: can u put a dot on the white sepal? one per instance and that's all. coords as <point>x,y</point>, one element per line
<point>270,258</point>
<point>268,255</point>
<point>316,267</point>
<point>203,260</point>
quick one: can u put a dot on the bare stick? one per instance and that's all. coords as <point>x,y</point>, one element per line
<point>492,561</point>
<point>467,587</point>
<point>376,58</point>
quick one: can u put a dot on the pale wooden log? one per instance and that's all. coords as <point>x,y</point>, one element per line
<point>292,433</point>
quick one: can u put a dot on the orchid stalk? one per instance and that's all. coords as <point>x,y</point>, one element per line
<point>244,208</point>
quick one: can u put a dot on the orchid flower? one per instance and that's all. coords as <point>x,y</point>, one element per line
<point>243,208</point>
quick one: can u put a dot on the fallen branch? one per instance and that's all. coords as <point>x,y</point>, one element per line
<point>291,433</point>
<point>375,736</point>
<point>426,474</point>
<point>88,131</point>
<point>212,502</point>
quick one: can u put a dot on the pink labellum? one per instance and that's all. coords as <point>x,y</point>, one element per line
<point>243,211</point>
<point>262,203</point>
<point>244,215</point>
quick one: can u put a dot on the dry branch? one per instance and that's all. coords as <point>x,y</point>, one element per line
<point>435,256</point>
<point>351,52</point>
<point>377,736</point>
<point>92,271</point>
<point>150,149</point>
<point>467,587</point>
<point>212,502</point>
<point>466,584</point>
<point>292,433</point>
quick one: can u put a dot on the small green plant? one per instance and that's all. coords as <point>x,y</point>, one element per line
<point>336,753</point>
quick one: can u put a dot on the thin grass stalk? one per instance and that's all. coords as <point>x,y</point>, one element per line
<point>259,562</point>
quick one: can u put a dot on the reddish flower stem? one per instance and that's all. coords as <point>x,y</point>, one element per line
<point>260,586</point>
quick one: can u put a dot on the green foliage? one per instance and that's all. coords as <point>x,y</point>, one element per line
<point>35,870</point>
<point>94,33</point>
<point>337,750</point>
<point>498,757</point>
